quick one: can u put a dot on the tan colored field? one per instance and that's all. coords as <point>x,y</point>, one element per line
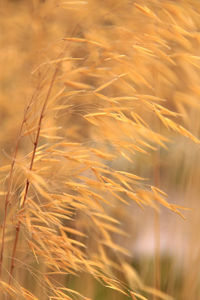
<point>99,140</point>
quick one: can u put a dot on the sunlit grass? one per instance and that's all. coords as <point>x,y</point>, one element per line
<point>100,182</point>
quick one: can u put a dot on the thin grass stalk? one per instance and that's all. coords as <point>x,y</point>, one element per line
<point>30,169</point>
<point>8,198</point>
<point>157,255</point>
<point>10,179</point>
<point>157,262</point>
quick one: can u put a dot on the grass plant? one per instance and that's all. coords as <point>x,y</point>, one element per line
<point>111,96</point>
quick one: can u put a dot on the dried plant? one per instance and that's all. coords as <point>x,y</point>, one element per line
<point>112,87</point>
